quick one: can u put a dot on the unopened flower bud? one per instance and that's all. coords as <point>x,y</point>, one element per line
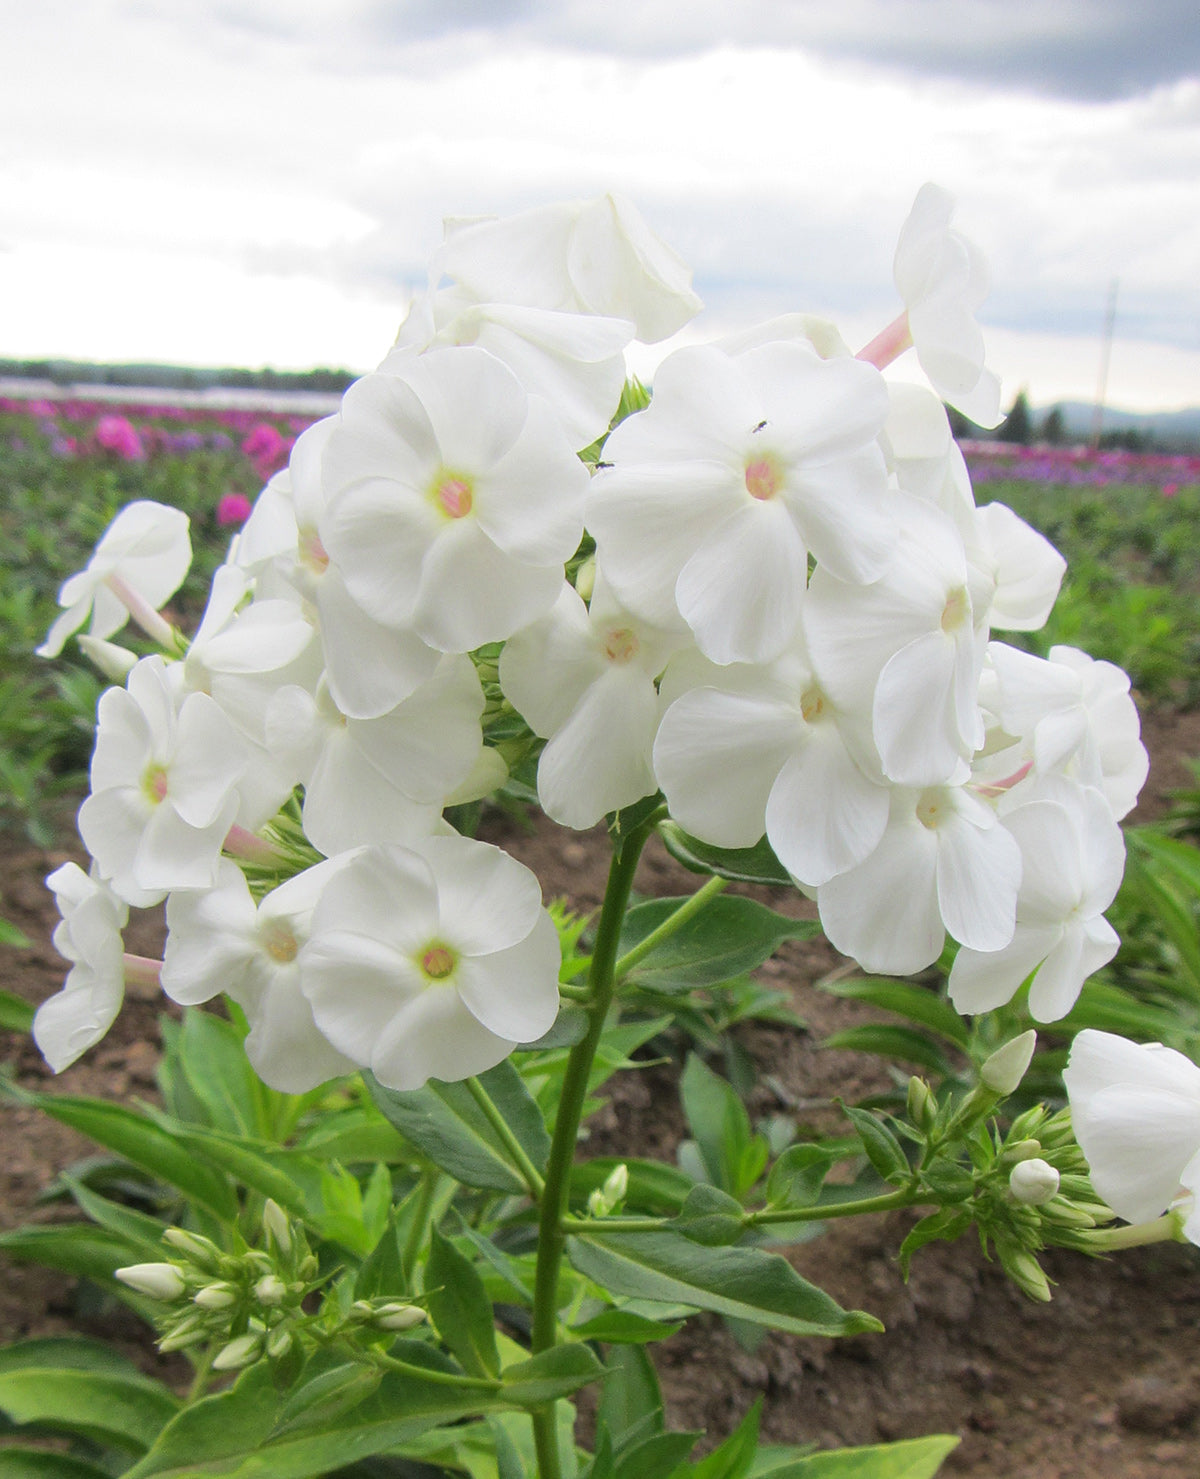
<point>1005,1069</point>
<point>1026,1273</point>
<point>308,1267</point>
<point>158,1280</point>
<point>616,1184</point>
<point>585,579</point>
<point>215,1296</point>
<point>1027,1125</point>
<point>596,1205</point>
<point>922,1106</point>
<point>1020,1150</point>
<point>279,1342</point>
<point>399,1316</point>
<point>189,1331</point>
<point>1033,1182</point>
<point>277,1226</point>
<point>270,1289</point>
<point>195,1248</point>
<point>243,1351</point>
<point>1063,1214</point>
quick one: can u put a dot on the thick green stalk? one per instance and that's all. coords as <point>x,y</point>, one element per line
<point>529,1172</point>
<point>555,1197</point>
<point>886,1202</point>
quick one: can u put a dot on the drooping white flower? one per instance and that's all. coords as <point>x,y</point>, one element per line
<point>588,256</point>
<point>164,786</point>
<point>89,936</point>
<point>219,941</point>
<point>1073,857</point>
<point>1135,1109</point>
<point>909,648</point>
<point>751,750</point>
<point>942,279</point>
<point>944,863</point>
<point>1078,716</point>
<point>583,678</point>
<point>455,499</point>
<point>385,779</point>
<point>432,961</point>
<point>715,495</point>
<point>138,565</point>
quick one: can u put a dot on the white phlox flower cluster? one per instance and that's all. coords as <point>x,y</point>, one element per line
<point>767,592</point>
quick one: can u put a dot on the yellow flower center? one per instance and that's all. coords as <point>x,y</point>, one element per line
<point>812,704</point>
<point>452,494</point>
<point>154,784</point>
<point>620,645</point>
<point>763,478</point>
<point>438,962</point>
<point>280,944</point>
<point>933,809</point>
<point>957,610</point>
<point>313,554</point>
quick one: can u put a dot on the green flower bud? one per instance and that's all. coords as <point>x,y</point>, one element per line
<point>1020,1150</point>
<point>277,1226</point>
<point>922,1106</point>
<point>216,1296</point>
<point>243,1351</point>
<point>279,1342</point>
<point>1005,1069</point>
<point>270,1289</point>
<point>1026,1273</point>
<point>158,1280</point>
<point>195,1248</point>
<point>190,1331</point>
<point>399,1316</point>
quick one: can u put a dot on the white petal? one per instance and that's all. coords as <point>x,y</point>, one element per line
<point>514,992</point>
<point>472,592</point>
<point>1137,1142</point>
<point>435,1036</point>
<point>978,874</point>
<point>981,980</point>
<point>824,816</point>
<point>486,900</point>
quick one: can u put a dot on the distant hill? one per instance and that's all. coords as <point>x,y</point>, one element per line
<point>174,377</point>
<point>1174,430</point>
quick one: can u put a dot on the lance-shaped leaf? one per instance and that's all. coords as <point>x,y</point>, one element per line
<point>728,937</point>
<point>445,1122</point>
<point>757,864</point>
<point>460,1308</point>
<point>914,1458</point>
<point>746,1283</point>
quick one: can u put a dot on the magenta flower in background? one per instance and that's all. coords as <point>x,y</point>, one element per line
<point>266,448</point>
<point>233,508</point>
<point>115,434</point>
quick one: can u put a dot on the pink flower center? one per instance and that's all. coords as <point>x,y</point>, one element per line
<point>154,784</point>
<point>313,553</point>
<point>438,962</point>
<point>453,496</point>
<point>620,645</point>
<point>763,478</point>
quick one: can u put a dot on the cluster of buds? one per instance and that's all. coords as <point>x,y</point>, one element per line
<point>610,1197</point>
<point>248,1305</point>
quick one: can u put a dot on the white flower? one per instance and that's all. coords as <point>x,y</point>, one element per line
<point>1073,856</point>
<point>218,940</point>
<point>589,256</point>
<point>432,961</point>
<point>750,750</point>
<point>943,280</point>
<point>89,936</point>
<point>139,563</point>
<point>718,491</point>
<point>164,787</point>
<point>909,648</point>
<point>943,863</point>
<point>454,499</point>
<point>1078,716</point>
<point>385,779</point>
<point>1135,1108</point>
<point>583,678</point>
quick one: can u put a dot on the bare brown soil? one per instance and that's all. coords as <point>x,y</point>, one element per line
<point>1102,1383</point>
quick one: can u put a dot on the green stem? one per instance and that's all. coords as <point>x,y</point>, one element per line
<point>1161,1230</point>
<point>555,1198</point>
<point>887,1202</point>
<point>419,1230</point>
<point>440,1378</point>
<point>201,1376</point>
<point>669,926</point>
<point>532,1176</point>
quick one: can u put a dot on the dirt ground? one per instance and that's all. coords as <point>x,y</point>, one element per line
<point>1103,1383</point>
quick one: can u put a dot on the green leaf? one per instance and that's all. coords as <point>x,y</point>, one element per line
<point>757,864</point>
<point>655,1456</point>
<point>727,938</point>
<point>555,1373</point>
<point>884,1151</point>
<point>631,1404</point>
<point>11,935</point>
<point>36,1463</point>
<point>16,1015</point>
<point>710,1216</point>
<point>916,1003</point>
<point>47,1383</point>
<point>73,1248</point>
<point>213,1056</point>
<point>732,1460</point>
<point>945,1225</point>
<point>915,1458</point>
<point>654,1187</point>
<point>460,1308</point>
<point>241,1433</point>
<point>891,1042</point>
<point>797,1176</point>
<point>145,1143</point>
<point>623,1327</point>
<point>444,1122</point>
<point>746,1283</point>
<point>718,1120</point>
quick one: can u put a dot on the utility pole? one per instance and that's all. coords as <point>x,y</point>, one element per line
<point>1110,318</point>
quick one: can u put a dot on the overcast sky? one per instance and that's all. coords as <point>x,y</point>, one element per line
<point>262,181</point>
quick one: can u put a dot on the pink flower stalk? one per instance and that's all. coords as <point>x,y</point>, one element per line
<point>233,508</point>
<point>115,434</point>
